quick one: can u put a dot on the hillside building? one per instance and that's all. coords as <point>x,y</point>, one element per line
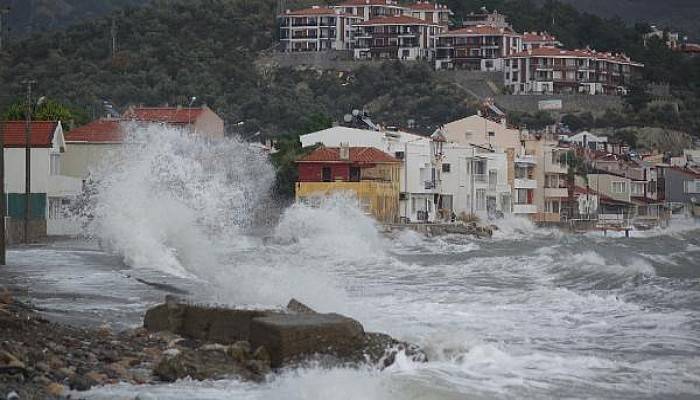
<point>477,47</point>
<point>553,70</point>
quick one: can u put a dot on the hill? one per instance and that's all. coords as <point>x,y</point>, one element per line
<point>171,50</point>
<point>30,16</point>
<point>677,14</point>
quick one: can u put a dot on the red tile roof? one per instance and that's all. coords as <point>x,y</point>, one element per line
<point>170,115</point>
<point>368,155</point>
<point>395,20</point>
<point>41,133</point>
<point>315,10</point>
<point>578,53</point>
<point>480,30</point>
<point>530,37</point>
<point>360,3</point>
<point>98,131</point>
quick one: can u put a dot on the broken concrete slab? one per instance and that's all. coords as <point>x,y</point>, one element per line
<point>291,337</point>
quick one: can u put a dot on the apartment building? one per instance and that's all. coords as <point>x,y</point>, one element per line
<point>310,29</point>
<point>486,18</point>
<point>553,70</point>
<point>369,28</point>
<point>395,37</point>
<point>535,40</point>
<point>478,47</point>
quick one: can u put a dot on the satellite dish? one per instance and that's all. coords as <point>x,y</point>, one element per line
<point>355,112</point>
<point>347,118</point>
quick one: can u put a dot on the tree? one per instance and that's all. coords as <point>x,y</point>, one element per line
<point>47,110</point>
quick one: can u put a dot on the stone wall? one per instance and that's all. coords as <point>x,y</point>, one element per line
<point>571,103</point>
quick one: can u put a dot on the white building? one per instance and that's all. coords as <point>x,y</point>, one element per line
<point>587,140</point>
<point>438,178</point>
<point>51,192</point>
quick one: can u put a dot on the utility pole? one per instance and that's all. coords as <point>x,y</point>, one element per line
<point>27,159</point>
<point>2,193</point>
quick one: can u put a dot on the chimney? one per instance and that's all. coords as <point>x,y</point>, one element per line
<point>344,151</point>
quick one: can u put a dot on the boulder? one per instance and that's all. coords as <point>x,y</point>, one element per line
<point>9,364</point>
<point>289,338</point>
<point>298,307</point>
<point>202,364</point>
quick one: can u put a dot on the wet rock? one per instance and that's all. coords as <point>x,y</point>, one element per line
<point>55,389</point>
<point>104,331</point>
<point>12,396</point>
<point>239,351</point>
<point>261,354</point>
<point>201,365</point>
<point>5,296</point>
<point>298,307</point>
<point>290,337</point>
<point>81,382</point>
<point>9,364</point>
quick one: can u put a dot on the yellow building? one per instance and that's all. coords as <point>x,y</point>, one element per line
<point>366,173</point>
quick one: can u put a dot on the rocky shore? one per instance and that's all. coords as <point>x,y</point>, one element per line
<point>44,360</point>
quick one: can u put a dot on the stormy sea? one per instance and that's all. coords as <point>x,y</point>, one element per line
<point>529,313</point>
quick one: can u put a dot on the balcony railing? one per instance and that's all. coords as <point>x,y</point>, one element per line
<point>481,178</point>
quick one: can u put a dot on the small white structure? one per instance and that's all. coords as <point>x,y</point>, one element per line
<point>587,140</point>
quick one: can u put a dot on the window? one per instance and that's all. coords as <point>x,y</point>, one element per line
<point>552,206</point>
<point>522,196</point>
<point>326,172</point>
<point>354,174</point>
<point>446,167</point>
<point>637,188</point>
<point>480,199</point>
<point>55,163</point>
<point>493,179</point>
<point>691,186</point>
<point>619,187</point>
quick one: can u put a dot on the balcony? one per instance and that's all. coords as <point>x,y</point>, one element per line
<point>526,159</point>
<point>481,178</point>
<point>524,209</point>
<point>556,192</point>
<point>556,168</point>
<point>524,183</point>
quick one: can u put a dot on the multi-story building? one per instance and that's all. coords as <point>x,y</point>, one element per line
<point>535,40</point>
<point>371,175</point>
<point>553,70</point>
<point>395,37</point>
<point>322,28</point>
<point>310,29</point>
<point>438,178</point>
<point>493,19</point>
<point>431,12</point>
<point>478,47</point>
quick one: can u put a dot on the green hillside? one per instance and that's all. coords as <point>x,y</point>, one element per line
<point>173,49</point>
